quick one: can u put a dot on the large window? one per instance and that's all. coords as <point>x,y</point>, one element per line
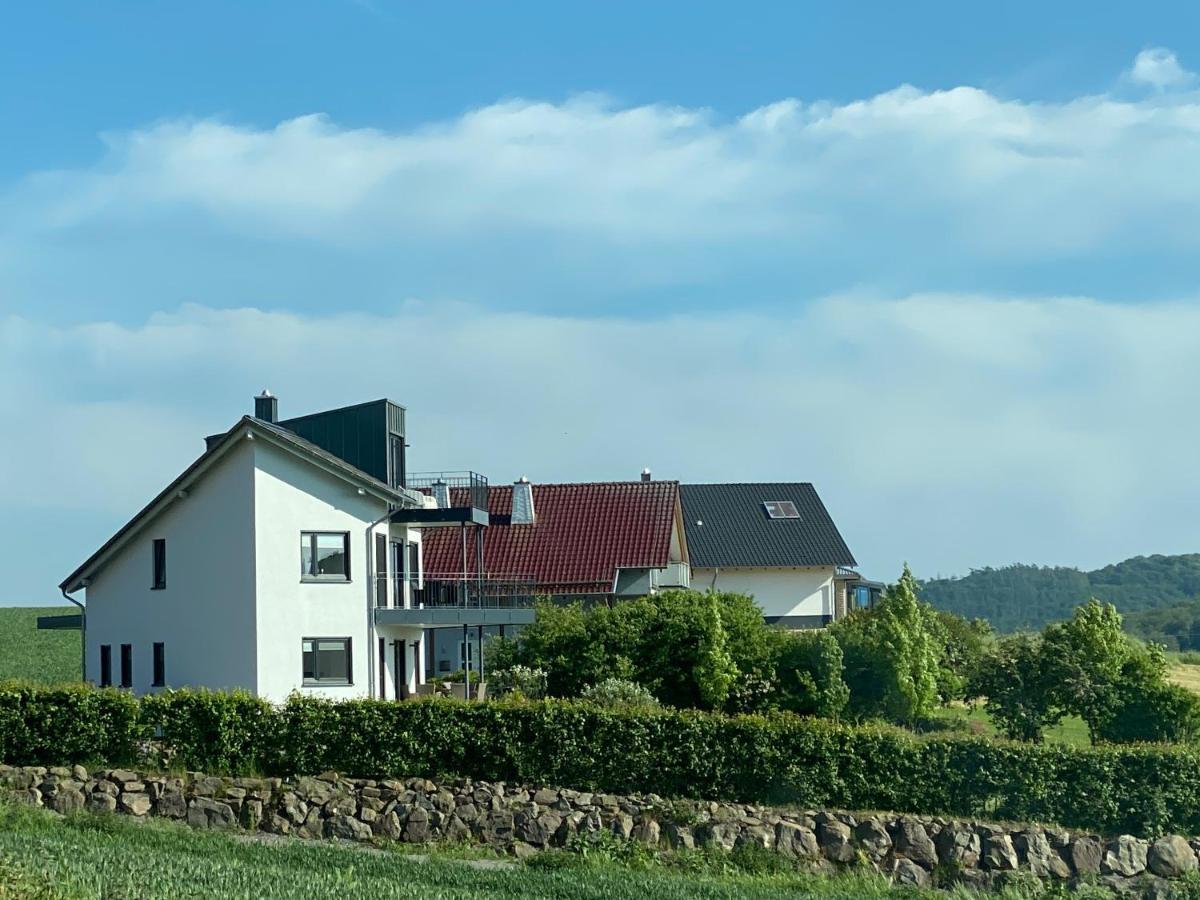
<point>160,564</point>
<point>327,661</point>
<point>325,555</point>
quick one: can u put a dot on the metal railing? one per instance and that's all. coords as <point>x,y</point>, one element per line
<point>458,591</point>
<point>455,490</point>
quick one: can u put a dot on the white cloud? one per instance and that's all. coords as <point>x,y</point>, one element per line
<point>554,206</point>
<point>948,430</point>
<point>1158,68</point>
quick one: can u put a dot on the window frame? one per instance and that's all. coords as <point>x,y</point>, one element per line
<point>348,681</point>
<point>311,577</point>
<point>158,565</point>
<point>106,665</point>
<point>159,657</point>
<point>127,665</point>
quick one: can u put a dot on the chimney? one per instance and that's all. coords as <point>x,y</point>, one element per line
<point>266,407</point>
<point>646,474</point>
<point>522,502</point>
<point>441,493</point>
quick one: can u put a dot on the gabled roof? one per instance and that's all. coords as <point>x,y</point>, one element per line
<point>581,535</point>
<point>281,437</point>
<point>727,526</point>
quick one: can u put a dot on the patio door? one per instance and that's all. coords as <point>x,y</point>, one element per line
<point>400,575</point>
<point>399,664</point>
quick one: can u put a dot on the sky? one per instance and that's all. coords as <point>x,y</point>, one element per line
<point>939,259</point>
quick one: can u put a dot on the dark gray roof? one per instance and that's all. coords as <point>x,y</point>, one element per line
<point>737,532</point>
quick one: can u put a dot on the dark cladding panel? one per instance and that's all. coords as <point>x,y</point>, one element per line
<point>357,434</point>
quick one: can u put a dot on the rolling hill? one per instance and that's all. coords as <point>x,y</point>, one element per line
<point>1019,597</point>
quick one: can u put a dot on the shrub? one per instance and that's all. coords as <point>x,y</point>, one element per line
<point>616,693</point>
<point>1019,690</point>
<point>528,683</point>
<point>776,758</point>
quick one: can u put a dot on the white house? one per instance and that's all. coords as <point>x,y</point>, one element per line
<point>286,558</point>
<point>776,542</point>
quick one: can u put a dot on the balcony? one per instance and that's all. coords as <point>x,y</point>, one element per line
<point>455,498</point>
<point>455,599</point>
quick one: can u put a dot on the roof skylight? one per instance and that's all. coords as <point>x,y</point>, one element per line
<point>781,509</point>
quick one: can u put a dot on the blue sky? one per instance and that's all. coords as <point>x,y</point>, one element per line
<point>938,259</point>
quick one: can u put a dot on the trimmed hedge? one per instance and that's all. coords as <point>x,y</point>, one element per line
<point>781,759</point>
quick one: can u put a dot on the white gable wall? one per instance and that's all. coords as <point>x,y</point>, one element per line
<point>780,592</point>
<point>292,495</point>
<point>205,615</point>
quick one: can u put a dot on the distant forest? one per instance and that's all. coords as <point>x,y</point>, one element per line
<point>1158,595</point>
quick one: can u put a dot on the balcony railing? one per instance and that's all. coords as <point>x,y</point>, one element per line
<point>452,490</point>
<point>459,591</point>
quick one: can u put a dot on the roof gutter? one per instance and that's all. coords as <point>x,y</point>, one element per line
<point>83,633</point>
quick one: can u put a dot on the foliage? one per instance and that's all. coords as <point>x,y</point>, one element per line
<point>778,758</point>
<point>810,666</point>
<point>964,645</point>
<point>27,654</point>
<point>617,693</point>
<point>1088,667</point>
<point>690,649</point>
<point>714,670</point>
<point>1176,627</point>
<point>1022,597</point>
<point>519,680</point>
<point>68,724</point>
<point>893,655</point>
<point>1019,690</point>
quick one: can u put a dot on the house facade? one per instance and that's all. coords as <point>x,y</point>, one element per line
<point>776,542</point>
<point>286,557</point>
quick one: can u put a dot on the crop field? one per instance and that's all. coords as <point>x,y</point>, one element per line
<point>88,856</point>
<point>48,657</point>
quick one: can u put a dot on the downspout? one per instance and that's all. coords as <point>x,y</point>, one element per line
<point>716,572</point>
<point>83,633</point>
<point>371,588</point>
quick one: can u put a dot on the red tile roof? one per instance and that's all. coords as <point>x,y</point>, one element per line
<point>582,533</point>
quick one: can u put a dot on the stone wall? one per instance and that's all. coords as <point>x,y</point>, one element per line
<point>520,820</point>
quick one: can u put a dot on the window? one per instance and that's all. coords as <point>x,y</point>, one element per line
<point>106,665</point>
<point>160,665</point>
<point>327,661</point>
<point>160,564</point>
<point>126,665</point>
<point>781,509</point>
<point>325,555</point>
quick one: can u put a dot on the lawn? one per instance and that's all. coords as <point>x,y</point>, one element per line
<point>88,856</point>
<point>49,657</point>
<point>1071,730</point>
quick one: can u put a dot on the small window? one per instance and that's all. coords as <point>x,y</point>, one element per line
<point>325,555</point>
<point>106,665</point>
<point>327,661</point>
<point>160,564</point>
<point>127,665</point>
<point>160,665</point>
<point>781,509</point>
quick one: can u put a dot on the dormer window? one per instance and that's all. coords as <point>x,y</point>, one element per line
<point>781,509</point>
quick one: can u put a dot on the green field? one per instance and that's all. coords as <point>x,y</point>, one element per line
<point>88,856</point>
<point>49,657</point>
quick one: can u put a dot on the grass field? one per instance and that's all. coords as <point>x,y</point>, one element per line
<point>89,856</point>
<point>1186,674</point>
<point>49,657</point>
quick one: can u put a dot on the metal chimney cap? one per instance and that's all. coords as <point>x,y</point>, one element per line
<point>265,395</point>
<point>522,480</point>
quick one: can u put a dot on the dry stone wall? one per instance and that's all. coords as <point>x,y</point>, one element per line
<point>521,820</point>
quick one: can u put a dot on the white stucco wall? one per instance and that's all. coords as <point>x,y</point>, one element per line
<point>780,592</point>
<point>205,615</point>
<point>290,496</point>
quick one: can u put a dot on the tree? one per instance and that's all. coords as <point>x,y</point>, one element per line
<point>1087,656</point>
<point>811,674</point>
<point>1018,688</point>
<point>715,670</point>
<point>892,655</point>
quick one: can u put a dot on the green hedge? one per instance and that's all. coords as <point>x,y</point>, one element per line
<point>783,758</point>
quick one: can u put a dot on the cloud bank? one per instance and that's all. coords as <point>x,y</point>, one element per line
<point>953,431</point>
